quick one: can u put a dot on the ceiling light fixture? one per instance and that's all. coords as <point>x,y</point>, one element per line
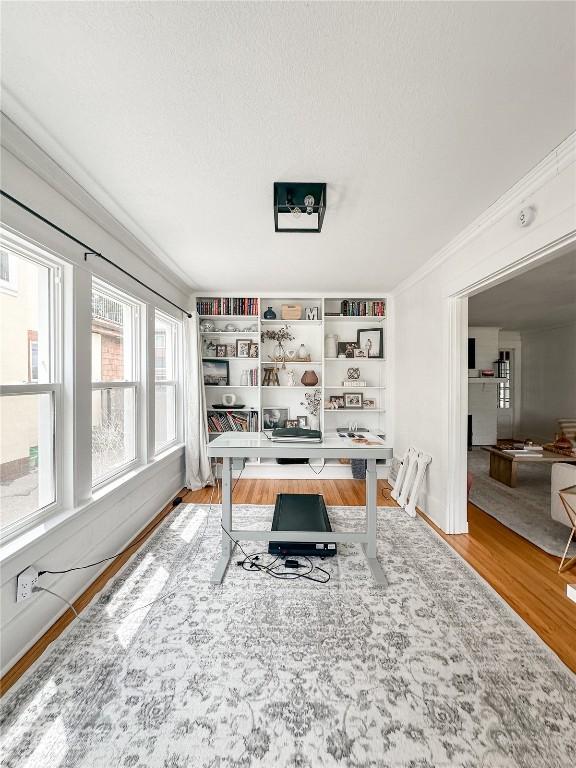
<point>292,200</point>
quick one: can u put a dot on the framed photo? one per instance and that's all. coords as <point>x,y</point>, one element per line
<point>291,423</point>
<point>369,403</point>
<point>359,353</point>
<point>216,372</point>
<point>243,347</point>
<point>353,400</point>
<point>371,340</point>
<point>347,348</point>
<point>338,400</point>
<point>221,350</point>
<point>274,417</point>
<point>209,344</point>
<point>253,349</point>
<point>230,350</point>
<point>302,422</point>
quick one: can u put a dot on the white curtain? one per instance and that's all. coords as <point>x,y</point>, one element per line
<point>198,467</point>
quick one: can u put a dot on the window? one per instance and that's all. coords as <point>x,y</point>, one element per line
<point>166,380</point>
<point>115,382</point>
<point>503,371</point>
<point>29,385</point>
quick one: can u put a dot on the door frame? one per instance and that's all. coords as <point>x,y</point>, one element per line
<point>457,324</point>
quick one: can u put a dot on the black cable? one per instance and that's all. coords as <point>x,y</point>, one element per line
<point>136,541</point>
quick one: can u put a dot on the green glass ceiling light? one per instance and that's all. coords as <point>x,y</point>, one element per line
<point>299,206</point>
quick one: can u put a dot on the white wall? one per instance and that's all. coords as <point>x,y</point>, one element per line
<point>424,311</point>
<point>104,525</point>
<point>482,397</point>
<point>548,380</point>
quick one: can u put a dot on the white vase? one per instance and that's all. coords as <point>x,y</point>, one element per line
<point>244,379</point>
<point>302,352</point>
<point>313,422</point>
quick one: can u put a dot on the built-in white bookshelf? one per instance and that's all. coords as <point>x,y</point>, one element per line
<point>286,399</point>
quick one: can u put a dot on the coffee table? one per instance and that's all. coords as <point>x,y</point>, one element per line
<point>504,466</point>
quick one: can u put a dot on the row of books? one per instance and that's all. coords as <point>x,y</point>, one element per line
<point>227,306</point>
<point>350,308</point>
<point>233,422</point>
<point>253,375</point>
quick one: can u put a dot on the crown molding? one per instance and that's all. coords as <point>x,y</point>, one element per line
<point>105,211</point>
<point>552,165</point>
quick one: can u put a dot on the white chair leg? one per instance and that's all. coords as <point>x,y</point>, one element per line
<point>422,463</point>
<point>408,478</point>
<point>401,475</point>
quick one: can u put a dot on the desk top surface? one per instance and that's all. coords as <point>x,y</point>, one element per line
<point>258,444</point>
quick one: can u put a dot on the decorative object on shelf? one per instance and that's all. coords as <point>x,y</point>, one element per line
<point>251,329</point>
<point>312,313</point>
<point>207,326</point>
<point>487,373</point>
<point>291,312</point>
<point>230,328</point>
<point>336,401</point>
<point>253,350</point>
<point>244,380</point>
<point>371,340</point>
<point>290,354</point>
<point>361,352</point>
<point>269,314</point>
<point>280,336</point>
<point>299,206</point>
<point>309,378</point>
<point>369,403</point>
<point>341,355</point>
<point>312,403</point>
<point>291,423</point>
<point>353,400</point>
<point>302,422</point>
<point>354,383</point>
<point>291,378</point>
<point>347,348</point>
<point>229,399</point>
<point>331,405</point>
<point>227,306</point>
<point>230,350</point>
<point>272,418</point>
<point>216,372</point>
<point>270,377</point>
<point>221,406</point>
<point>243,347</point>
<point>331,345</point>
<point>353,373</point>
<point>303,353</point>
<point>220,350</point>
<point>209,344</point>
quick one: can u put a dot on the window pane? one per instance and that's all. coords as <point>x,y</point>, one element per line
<point>164,348</point>
<point>113,430</point>
<point>24,318</point>
<point>26,455</point>
<point>165,429</point>
<point>113,342</point>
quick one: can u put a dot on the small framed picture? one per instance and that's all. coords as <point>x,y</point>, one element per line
<point>253,349</point>
<point>230,350</point>
<point>209,344</point>
<point>359,353</point>
<point>292,423</point>
<point>311,313</point>
<point>353,400</point>
<point>221,350</point>
<point>371,340</point>
<point>338,400</point>
<point>302,422</point>
<point>274,417</point>
<point>243,347</point>
<point>369,403</point>
<point>347,348</point>
<point>216,372</point>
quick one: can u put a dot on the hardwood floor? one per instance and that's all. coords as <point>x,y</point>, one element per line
<point>525,576</point>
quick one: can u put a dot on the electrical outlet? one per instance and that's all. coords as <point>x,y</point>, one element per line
<point>25,581</point>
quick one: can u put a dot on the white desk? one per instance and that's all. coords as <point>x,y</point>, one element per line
<point>245,445</point>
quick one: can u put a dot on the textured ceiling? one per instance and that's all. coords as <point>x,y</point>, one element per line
<point>180,116</point>
<point>542,297</point>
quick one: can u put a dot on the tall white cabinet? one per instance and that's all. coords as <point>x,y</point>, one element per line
<point>288,397</point>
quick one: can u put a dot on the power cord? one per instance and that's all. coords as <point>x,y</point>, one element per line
<point>68,603</point>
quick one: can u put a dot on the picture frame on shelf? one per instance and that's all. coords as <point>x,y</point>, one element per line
<point>302,422</point>
<point>371,340</point>
<point>359,353</point>
<point>243,347</point>
<point>221,350</point>
<point>338,400</point>
<point>216,372</point>
<point>369,403</point>
<point>291,423</point>
<point>272,418</point>
<point>209,344</point>
<point>347,348</point>
<point>230,350</point>
<point>253,349</point>
<point>353,400</point>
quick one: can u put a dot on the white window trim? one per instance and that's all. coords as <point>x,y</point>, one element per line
<point>10,286</point>
<point>176,382</point>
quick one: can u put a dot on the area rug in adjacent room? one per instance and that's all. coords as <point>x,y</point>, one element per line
<point>433,672</point>
<point>524,509</point>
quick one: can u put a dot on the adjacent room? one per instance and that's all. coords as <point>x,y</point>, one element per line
<point>287,384</point>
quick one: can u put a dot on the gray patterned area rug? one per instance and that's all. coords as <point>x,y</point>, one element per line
<point>433,671</point>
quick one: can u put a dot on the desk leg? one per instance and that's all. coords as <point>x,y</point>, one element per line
<point>371,514</point>
<point>227,545</point>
